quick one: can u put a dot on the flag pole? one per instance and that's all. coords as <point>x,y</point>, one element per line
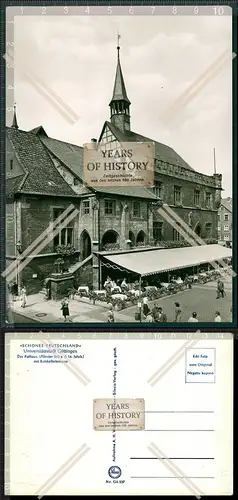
<point>214,161</point>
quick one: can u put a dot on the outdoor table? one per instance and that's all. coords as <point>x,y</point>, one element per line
<point>179,281</point>
<point>165,285</point>
<point>135,292</point>
<point>116,288</point>
<point>101,292</point>
<point>120,296</point>
<point>83,288</point>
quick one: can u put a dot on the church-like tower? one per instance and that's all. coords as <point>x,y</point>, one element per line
<point>120,104</point>
<point>14,120</point>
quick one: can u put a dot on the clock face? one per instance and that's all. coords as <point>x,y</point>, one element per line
<point>127,127</point>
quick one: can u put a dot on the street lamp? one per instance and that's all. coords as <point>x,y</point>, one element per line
<point>19,252</point>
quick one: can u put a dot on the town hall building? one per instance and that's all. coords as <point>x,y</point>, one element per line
<point>44,177</point>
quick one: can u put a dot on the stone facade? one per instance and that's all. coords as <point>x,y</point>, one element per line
<point>106,219</point>
<point>29,217</point>
<point>197,203</point>
<point>225,221</point>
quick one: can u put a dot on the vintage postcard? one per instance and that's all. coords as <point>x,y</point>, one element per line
<point>103,414</point>
<point>119,202</point>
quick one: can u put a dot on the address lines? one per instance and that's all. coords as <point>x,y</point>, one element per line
<point>179,458</point>
<point>178,412</point>
<point>124,10</point>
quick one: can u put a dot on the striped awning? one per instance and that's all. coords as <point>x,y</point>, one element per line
<point>161,260</point>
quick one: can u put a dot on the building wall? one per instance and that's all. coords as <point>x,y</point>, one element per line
<point>225,225</point>
<point>175,172</point>
<point>201,213</point>
<point>199,217</point>
<point>133,223</point>
<point>187,192</point>
<point>36,215</point>
<point>10,229</point>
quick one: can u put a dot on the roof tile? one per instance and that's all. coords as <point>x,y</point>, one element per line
<point>162,152</point>
<point>42,176</point>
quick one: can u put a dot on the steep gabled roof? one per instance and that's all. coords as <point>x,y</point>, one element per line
<point>69,154</point>
<point>13,184</point>
<point>227,204</point>
<point>162,152</point>
<point>41,175</point>
<point>72,157</point>
<point>39,131</point>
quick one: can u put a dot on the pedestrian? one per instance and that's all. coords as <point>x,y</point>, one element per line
<point>124,285</point>
<point>161,316</point>
<point>65,308</point>
<point>110,314</point>
<point>72,292</point>
<point>146,309</point>
<point>220,289</point>
<point>193,318</point>
<point>155,312</point>
<point>108,285</point>
<point>149,318</point>
<point>217,317</point>
<point>178,312</point>
<point>23,296</point>
<point>14,291</point>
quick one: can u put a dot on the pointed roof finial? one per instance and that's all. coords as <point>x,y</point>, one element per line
<point>118,43</point>
<point>14,120</point>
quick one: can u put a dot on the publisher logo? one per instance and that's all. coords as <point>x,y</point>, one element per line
<point>114,472</point>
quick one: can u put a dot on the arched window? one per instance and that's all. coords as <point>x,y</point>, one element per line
<point>141,238</point>
<point>85,245</point>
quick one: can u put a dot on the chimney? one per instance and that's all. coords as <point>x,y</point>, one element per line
<point>92,145</point>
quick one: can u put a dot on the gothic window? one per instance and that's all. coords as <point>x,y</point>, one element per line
<point>176,235</point>
<point>136,209</point>
<point>196,197</point>
<point>110,207</point>
<point>158,189</point>
<point>177,195</point>
<point>208,199</point>
<point>158,231</point>
<point>86,207</point>
<point>66,234</point>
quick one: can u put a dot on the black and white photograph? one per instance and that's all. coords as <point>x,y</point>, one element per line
<point>77,252</point>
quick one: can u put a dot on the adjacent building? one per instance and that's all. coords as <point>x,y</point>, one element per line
<point>225,222</point>
<point>45,177</point>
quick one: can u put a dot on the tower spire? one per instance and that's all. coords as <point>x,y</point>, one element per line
<point>120,104</point>
<point>14,120</point>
